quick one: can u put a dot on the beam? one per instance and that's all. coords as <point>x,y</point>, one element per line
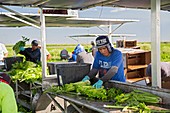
<point>40,2</point>
<point>21,20</point>
<point>99,4</point>
<point>17,13</point>
<point>43,42</point>
<point>155,43</point>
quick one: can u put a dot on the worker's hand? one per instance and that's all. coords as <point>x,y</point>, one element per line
<point>21,48</point>
<point>85,78</point>
<point>98,84</point>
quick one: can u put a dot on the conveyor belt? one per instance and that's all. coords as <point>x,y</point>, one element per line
<point>82,101</point>
<point>96,105</point>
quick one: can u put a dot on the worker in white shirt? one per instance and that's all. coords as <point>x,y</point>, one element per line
<point>3,53</point>
<point>46,51</point>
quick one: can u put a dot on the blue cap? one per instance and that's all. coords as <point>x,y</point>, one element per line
<point>79,48</point>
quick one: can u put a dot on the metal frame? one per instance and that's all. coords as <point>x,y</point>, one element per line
<point>43,40</point>
<point>65,104</point>
<point>110,31</point>
<point>26,22</point>
<point>25,89</point>
<point>155,43</point>
<point>127,87</point>
<point>17,13</point>
<point>73,102</point>
<point>96,35</point>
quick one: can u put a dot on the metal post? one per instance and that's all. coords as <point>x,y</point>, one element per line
<point>43,41</point>
<point>155,43</point>
<point>31,95</point>
<point>110,34</point>
<point>16,88</point>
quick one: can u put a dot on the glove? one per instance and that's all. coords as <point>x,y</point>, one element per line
<point>21,48</point>
<point>98,84</point>
<point>85,78</point>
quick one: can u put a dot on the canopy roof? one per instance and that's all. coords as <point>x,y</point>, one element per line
<point>55,20</point>
<point>81,4</point>
<point>142,4</point>
<point>59,4</point>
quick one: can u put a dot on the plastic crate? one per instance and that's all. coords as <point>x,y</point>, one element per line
<point>52,66</point>
<point>8,61</point>
<point>69,72</point>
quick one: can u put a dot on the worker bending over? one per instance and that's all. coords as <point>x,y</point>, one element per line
<point>108,62</point>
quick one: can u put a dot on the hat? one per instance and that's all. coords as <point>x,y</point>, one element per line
<point>79,48</point>
<point>34,43</point>
<point>103,41</point>
<point>5,78</point>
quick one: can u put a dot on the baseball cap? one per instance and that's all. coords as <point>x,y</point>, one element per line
<point>34,43</point>
<point>79,48</point>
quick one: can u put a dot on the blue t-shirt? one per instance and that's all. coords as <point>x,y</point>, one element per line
<point>103,64</point>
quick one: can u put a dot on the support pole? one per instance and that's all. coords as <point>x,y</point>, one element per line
<point>110,34</point>
<point>43,41</point>
<point>155,43</point>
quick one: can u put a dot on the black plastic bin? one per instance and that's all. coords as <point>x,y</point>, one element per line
<point>8,61</point>
<point>69,72</point>
<point>52,66</point>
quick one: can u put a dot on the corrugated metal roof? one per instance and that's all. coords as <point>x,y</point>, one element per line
<point>59,4</point>
<point>142,4</point>
<point>81,4</point>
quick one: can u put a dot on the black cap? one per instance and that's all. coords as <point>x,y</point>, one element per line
<point>34,43</point>
<point>102,41</point>
<point>5,77</point>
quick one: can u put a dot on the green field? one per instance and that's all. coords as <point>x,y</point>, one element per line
<point>165,50</point>
<point>55,49</point>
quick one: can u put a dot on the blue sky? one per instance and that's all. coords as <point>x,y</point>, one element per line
<point>58,35</point>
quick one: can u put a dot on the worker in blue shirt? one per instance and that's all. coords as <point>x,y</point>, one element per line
<point>32,54</point>
<point>108,62</point>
